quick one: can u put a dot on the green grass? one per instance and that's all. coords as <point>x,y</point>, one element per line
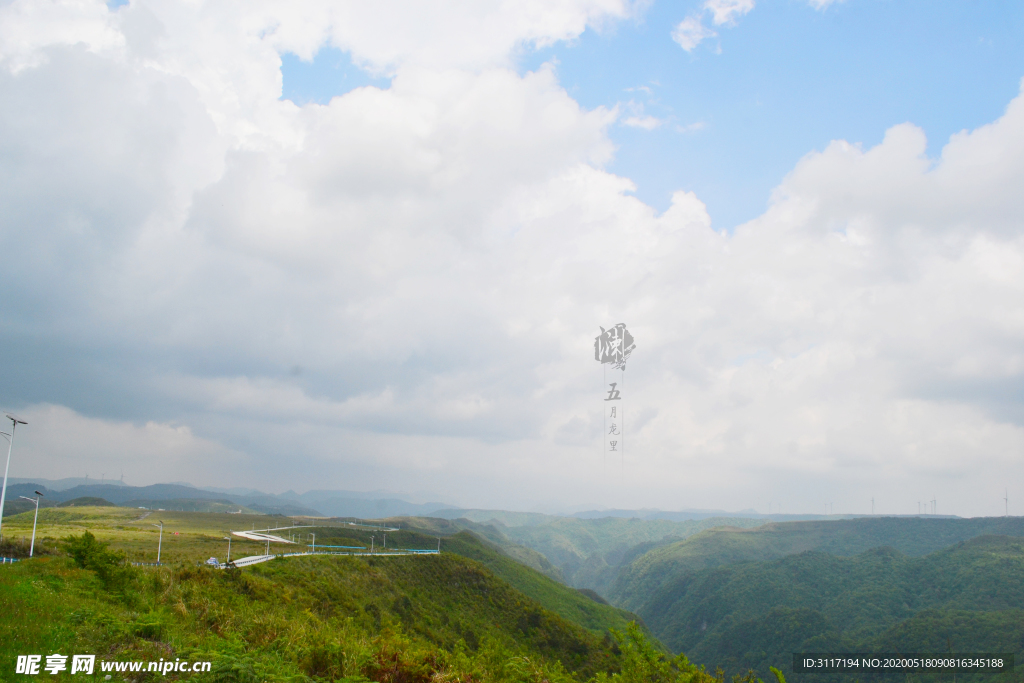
<point>471,608</point>
<point>192,537</point>
<point>471,614</point>
<point>320,617</point>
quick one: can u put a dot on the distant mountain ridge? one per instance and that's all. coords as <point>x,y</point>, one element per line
<point>151,496</point>
<point>318,503</point>
<point>363,505</point>
<point>62,484</point>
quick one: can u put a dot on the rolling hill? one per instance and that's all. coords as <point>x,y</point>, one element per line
<point>965,598</point>
<point>911,536</point>
<point>471,612</point>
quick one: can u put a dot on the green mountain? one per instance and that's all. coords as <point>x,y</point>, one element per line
<point>641,578</point>
<point>585,553</point>
<point>965,598</point>
<point>522,568</point>
<point>573,605</point>
<point>327,617</point>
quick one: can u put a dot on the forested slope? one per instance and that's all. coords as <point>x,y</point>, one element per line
<point>968,597</point>
<point>911,536</point>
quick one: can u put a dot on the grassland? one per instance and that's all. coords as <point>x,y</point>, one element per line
<point>188,536</point>
<point>323,617</point>
<point>471,613</point>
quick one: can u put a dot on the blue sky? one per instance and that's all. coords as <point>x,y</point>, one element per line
<point>742,108</point>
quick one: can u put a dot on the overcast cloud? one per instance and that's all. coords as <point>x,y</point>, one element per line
<point>400,289</point>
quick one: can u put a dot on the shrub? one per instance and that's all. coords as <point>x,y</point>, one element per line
<point>89,553</point>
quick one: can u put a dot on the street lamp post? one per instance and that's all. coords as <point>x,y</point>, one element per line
<point>160,543</point>
<point>228,539</point>
<point>35,519</point>
<point>15,421</point>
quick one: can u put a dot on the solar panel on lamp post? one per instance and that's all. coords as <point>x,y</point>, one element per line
<point>15,421</point>
<point>35,519</point>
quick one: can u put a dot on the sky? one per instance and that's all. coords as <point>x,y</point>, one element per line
<point>368,246</point>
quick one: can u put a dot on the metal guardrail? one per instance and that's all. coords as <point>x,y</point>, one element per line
<point>256,559</point>
<point>9,560</point>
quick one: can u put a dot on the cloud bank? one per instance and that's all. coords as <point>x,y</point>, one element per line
<point>400,288</point>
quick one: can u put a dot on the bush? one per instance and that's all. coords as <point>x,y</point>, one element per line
<point>89,553</point>
<point>15,547</point>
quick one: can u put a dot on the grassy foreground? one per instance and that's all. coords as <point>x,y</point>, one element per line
<point>332,618</point>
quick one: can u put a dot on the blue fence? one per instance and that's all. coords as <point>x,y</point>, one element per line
<point>9,560</point>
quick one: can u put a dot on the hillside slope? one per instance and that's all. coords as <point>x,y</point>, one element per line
<point>190,538</point>
<point>642,577</point>
<point>567,602</point>
<point>966,598</point>
<point>325,617</point>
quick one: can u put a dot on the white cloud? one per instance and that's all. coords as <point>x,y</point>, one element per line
<point>27,26</point>
<point>727,11</point>
<point>822,4</point>
<point>638,119</point>
<point>642,88</point>
<point>691,127</point>
<point>646,122</point>
<point>690,32</point>
<point>58,442</point>
<point>437,257</point>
